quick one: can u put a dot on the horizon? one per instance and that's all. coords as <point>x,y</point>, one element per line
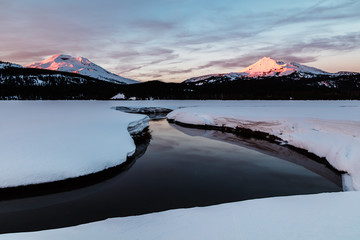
<point>172,41</point>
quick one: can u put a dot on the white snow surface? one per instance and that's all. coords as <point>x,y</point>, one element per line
<point>327,216</point>
<point>46,141</point>
<point>328,131</point>
<point>118,96</point>
<point>80,65</point>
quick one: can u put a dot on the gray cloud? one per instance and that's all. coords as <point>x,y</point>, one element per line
<point>345,42</point>
<point>31,54</point>
<point>153,25</point>
<point>145,38</point>
<point>342,10</point>
<point>290,52</point>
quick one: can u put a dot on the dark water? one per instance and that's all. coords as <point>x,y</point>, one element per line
<point>177,170</point>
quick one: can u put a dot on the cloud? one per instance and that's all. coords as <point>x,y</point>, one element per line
<point>25,55</point>
<point>145,38</point>
<point>319,12</point>
<point>149,57</point>
<point>344,42</point>
<point>180,71</point>
<point>153,25</point>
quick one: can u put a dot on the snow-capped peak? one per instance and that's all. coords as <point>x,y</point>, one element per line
<point>267,67</point>
<point>80,65</point>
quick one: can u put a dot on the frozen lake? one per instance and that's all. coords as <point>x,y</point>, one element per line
<point>181,167</point>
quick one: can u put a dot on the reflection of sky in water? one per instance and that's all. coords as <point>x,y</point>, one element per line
<point>199,160</point>
<point>213,151</point>
<point>176,171</point>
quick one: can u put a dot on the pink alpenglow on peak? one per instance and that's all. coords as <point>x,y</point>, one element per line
<point>80,65</point>
<point>268,67</point>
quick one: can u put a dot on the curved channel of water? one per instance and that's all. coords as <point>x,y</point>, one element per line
<point>180,168</point>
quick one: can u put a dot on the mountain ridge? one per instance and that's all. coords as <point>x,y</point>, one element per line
<point>5,65</point>
<point>81,66</point>
<point>267,67</point>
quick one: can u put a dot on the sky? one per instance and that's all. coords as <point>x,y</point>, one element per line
<point>173,40</point>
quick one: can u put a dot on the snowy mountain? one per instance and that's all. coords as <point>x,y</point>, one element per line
<point>4,65</point>
<point>345,73</point>
<point>81,66</point>
<point>268,67</point>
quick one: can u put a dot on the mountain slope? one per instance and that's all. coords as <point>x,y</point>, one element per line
<point>80,65</point>
<point>17,82</point>
<point>266,67</point>
<point>5,65</point>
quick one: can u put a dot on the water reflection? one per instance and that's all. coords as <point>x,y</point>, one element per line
<point>316,165</point>
<point>177,170</point>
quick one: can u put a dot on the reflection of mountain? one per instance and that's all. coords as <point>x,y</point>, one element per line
<point>317,166</point>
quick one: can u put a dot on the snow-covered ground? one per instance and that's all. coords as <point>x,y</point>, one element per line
<point>327,216</point>
<point>48,141</point>
<point>55,140</point>
<point>327,128</point>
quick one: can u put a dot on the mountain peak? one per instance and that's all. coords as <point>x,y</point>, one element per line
<point>80,65</point>
<point>267,67</point>
<point>264,67</point>
<point>269,60</point>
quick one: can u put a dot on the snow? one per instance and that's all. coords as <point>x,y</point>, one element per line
<point>268,67</point>
<point>329,127</point>
<point>80,65</point>
<point>55,140</point>
<point>327,216</point>
<point>118,96</point>
<point>4,65</point>
<point>328,131</point>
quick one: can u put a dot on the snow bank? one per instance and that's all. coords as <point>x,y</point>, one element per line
<point>327,130</point>
<point>119,96</point>
<point>311,125</point>
<point>322,216</point>
<point>49,141</point>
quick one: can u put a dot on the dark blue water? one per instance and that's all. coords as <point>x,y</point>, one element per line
<point>177,170</point>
